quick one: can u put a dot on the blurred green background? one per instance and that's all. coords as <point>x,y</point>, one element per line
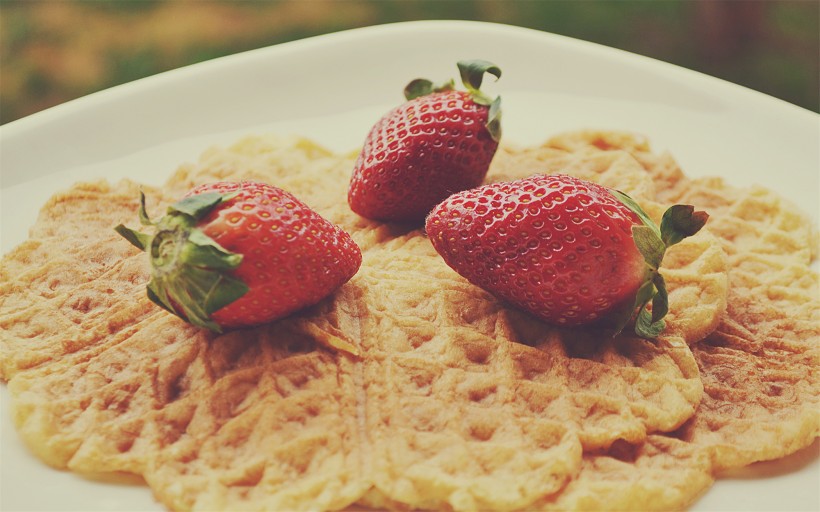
<point>52,51</point>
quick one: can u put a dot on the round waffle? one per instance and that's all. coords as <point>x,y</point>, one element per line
<point>454,401</point>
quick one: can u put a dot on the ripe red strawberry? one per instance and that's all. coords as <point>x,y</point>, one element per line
<point>566,250</point>
<point>439,142</point>
<point>240,254</point>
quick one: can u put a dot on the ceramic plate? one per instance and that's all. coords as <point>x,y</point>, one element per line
<point>332,88</point>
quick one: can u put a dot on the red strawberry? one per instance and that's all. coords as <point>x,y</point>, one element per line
<point>241,254</point>
<point>566,250</point>
<point>439,142</point>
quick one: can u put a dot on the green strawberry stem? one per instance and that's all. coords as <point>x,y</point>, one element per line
<point>189,270</point>
<point>677,223</point>
<point>472,75</point>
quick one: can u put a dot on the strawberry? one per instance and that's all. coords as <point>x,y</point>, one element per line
<point>438,142</point>
<point>234,255</point>
<point>566,250</point>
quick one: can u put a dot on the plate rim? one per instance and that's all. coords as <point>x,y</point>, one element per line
<point>116,92</point>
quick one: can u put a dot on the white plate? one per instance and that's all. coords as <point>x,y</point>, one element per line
<point>332,88</point>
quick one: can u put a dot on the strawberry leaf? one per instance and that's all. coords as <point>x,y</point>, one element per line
<point>624,314</point>
<point>645,327</point>
<point>494,119</point>
<point>159,298</point>
<point>681,221</point>
<point>649,244</point>
<point>205,291</point>
<point>143,214</point>
<point>645,293</point>
<point>418,87</point>
<point>187,296</point>
<point>472,75</point>
<point>472,72</point>
<point>422,87</point>
<point>137,239</point>
<point>660,302</point>
<point>195,293</point>
<point>636,208</point>
<point>204,251</point>
<point>197,206</point>
<point>223,292</point>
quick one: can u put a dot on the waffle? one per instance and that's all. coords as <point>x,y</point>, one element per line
<point>759,367</point>
<point>456,401</point>
<point>662,473</point>
<point>72,277</point>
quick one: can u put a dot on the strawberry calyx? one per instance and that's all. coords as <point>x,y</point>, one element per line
<point>472,75</point>
<point>678,222</point>
<point>190,272</point>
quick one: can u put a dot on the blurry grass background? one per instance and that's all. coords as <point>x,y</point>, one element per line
<point>52,51</point>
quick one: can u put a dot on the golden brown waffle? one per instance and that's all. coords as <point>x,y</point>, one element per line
<point>478,406</point>
<point>72,277</point>
<point>759,367</point>
<point>457,401</point>
<point>662,474</point>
